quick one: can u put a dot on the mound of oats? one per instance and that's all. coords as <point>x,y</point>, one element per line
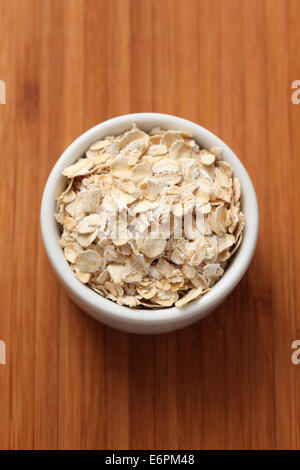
<point>150,220</point>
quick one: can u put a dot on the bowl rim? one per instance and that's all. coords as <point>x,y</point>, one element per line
<point>198,308</point>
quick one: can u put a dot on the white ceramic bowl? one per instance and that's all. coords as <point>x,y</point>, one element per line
<point>142,320</point>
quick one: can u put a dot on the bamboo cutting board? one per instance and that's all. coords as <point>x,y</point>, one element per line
<point>227,382</point>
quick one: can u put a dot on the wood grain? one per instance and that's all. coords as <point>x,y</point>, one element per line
<point>227,382</point>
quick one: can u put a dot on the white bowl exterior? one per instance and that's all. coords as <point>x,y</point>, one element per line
<point>142,320</point>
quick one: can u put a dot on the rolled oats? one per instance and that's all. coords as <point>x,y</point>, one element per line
<point>150,220</point>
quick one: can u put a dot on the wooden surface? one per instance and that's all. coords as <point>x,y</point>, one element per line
<point>227,382</point>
